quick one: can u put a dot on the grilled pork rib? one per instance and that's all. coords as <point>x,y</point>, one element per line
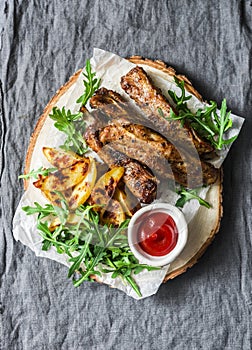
<point>115,107</point>
<point>118,110</point>
<point>129,144</point>
<point>137,177</point>
<point>150,99</point>
<point>134,147</point>
<point>147,146</point>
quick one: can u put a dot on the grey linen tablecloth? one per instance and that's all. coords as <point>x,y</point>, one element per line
<point>42,43</point>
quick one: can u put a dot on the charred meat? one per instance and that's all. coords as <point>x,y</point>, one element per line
<point>115,107</point>
<point>190,174</point>
<point>150,99</point>
<point>137,177</point>
<point>149,147</point>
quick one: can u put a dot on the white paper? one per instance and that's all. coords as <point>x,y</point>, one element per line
<point>109,68</point>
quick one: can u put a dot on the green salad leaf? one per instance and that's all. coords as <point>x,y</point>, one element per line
<point>186,195</point>
<point>35,173</point>
<point>207,122</point>
<point>97,248</point>
<point>91,84</point>
<point>73,124</point>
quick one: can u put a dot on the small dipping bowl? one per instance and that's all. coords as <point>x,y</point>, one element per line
<point>135,226</point>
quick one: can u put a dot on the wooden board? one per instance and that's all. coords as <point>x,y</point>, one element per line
<point>205,224</point>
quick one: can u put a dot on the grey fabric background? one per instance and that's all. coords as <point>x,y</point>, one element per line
<point>42,43</point>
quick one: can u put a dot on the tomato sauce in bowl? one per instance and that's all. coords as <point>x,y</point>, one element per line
<point>157,234</point>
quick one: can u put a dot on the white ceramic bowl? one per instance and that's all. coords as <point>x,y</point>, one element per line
<point>135,223</point>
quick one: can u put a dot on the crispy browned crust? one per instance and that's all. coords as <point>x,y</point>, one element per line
<point>143,150</point>
<point>160,65</point>
<point>169,71</point>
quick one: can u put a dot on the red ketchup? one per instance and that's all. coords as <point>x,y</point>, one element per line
<point>158,234</point>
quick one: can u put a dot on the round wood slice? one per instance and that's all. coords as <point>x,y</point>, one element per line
<point>204,226</point>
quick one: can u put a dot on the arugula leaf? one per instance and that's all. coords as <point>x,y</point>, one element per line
<point>73,126</point>
<point>62,211</point>
<point>97,258</point>
<point>45,211</point>
<point>133,284</point>
<point>79,259</point>
<point>95,246</point>
<point>205,121</point>
<point>180,101</point>
<point>224,124</point>
<point>35,173</point>
<point>91,84</point>
<point>186,195</point>
<point>52,238</point>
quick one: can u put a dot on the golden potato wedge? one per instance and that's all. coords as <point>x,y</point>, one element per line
<point>105,187</point>
<point>72,219</point>
<point>82,190</point>
<point>114,214</point>
<point>128,202</point>
<point>55,198</point>
<point>59,158</point>
<point>63,179</point>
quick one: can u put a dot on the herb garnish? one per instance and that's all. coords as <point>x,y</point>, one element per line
<point>47,210</point>
<point>205,121</point>
<point>186,195</point>
<point>91,84</point>
<point>98,248</point>
<point>35,173</point>
<point>73,125</point>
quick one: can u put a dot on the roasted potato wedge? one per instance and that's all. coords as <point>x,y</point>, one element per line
<point>128,202</point>
<point>114,214</point>
<point>72,219</point>
<point>55,198</point>
<point>63,179</point>
<point>59,158</point>
<point>82,190</point>
<point>105,187</point>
